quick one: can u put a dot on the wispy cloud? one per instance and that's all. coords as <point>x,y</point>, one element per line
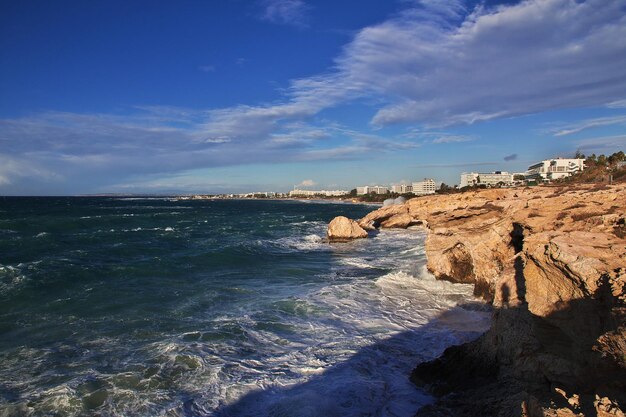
<point>589,124</point>
<point>307,183</point>
<point>54,147</point>
<point>436,137</point>
<point>619,104</point>
<point>436,73</point>
<point>427,64</point>
<point>458,165</point>
<point>511,157</point>
<point>14,169</point>
<point>207,68</point>
<point>453,139</point>
<point>286,12</point>
<point>603,144</point>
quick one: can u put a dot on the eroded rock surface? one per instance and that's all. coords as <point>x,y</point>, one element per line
<point>343,229</point>
<point>552,261</point>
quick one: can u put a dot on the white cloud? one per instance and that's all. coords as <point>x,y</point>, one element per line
<point>14,169</point>
<point>439,64</point>
<point>619,104</point>
<point>102,149</point>
<point>459,165</point>
<point>511,60</point>
<point>286,12</point>
<point>603,144</point>
<point>589,124</point>
<point>307,183</point>
<point>453,139</point>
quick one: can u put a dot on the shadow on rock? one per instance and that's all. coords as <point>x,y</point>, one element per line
<point>570,362</point>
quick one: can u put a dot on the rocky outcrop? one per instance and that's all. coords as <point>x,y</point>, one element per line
<point>552,261</point>
<point>342,229</point>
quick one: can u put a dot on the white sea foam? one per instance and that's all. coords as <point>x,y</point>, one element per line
<point>302,243</point>
<point>356,360</point>
<point>12,277</point>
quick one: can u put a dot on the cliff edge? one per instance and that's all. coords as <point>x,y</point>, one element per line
<point>552,260</point>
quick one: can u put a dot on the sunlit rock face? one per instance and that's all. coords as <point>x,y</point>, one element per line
<point>552,260</point>
<point>342,229</point>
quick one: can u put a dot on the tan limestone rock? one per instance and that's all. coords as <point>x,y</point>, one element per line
<point>343,229</point>
<point>553,261</point>
<point>400,221</point>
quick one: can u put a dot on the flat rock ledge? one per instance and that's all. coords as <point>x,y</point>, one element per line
<point>343,229</point>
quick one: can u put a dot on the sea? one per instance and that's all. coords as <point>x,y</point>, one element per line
<point>164,307</point>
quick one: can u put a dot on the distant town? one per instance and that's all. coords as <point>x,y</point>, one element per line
<point>542,172</point>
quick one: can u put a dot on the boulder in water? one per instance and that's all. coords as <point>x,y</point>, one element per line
<point>342,229</point>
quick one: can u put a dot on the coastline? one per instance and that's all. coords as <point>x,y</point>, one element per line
<point>551,262</point>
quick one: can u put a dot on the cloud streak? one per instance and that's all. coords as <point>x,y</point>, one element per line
<point>286,12</point>
<point>602,144</point>
<point>589,124</point>
<point>427,65</point>
<point>54,147</point>
<point>458,165</point>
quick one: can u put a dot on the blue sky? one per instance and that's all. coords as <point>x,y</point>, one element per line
<point>235,96</point>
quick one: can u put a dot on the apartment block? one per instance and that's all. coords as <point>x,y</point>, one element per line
<point>424,187</point>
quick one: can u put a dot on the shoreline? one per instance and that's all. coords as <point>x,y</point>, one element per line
<point>551,263</point>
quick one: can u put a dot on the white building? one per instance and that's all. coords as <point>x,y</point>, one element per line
<point>489,179</point>
<point>469,179</point>
<point>425,187</point>
<point>313,193</point>
<point>369,189</point>
<point>402,188</point>
<point>552,169</point>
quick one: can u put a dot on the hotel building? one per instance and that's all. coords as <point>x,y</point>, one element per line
<point>313,193</point>
<point>552,169</point>
<point>489,179</point>
<point>369,189</point>
<point>424,187</point>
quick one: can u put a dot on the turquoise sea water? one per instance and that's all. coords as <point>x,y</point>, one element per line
<point>157,307</point>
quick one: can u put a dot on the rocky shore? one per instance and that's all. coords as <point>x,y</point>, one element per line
<point>552,261</point>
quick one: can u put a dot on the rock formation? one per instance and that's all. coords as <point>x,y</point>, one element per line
<point>343,229</point>
<point>552,260</point>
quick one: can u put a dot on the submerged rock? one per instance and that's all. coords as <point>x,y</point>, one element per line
<point>342,229</point>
